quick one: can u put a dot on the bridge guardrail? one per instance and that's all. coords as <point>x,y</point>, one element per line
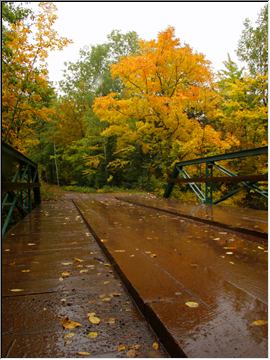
<point>206,194</point>
<point>20,185</point>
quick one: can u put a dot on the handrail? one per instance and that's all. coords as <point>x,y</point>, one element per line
<point>20,185</point>
<point>248,181</point>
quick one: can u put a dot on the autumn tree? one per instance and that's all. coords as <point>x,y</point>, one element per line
<point>76,131</point>
<point>165,108</point>
<point>27,93</point>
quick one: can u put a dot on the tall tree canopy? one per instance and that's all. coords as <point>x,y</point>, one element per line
<point>165,106</point>
<point>26,92</point>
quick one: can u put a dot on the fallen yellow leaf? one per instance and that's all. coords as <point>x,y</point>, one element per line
<point>216,239</point>
<point>83,353</point>
<point>94,319</point>
<point>131,353</point>
<point>61,279</point>
<point>25,270</point>
<point>192,304</point>
<point>260,247</point>
<point>69,335</point>
<point>66,274</point>
<point>106,299</point>
<point>259,322</point>
<point>31,244</point>
<point>7,250</point>
<point>78,260</point>
<point>120,251</point>
<point>153,255</point>
<point>106,282</point>
<point>155,345</point>
<point>70,324</point>
<point>121,347</point>
<point>111,321</point>
<point>92,334</point>
<point>16,290</point>
<point>66,263</point>
<point>91,314</point>
<point>229,253</point>
<point>135,346</point>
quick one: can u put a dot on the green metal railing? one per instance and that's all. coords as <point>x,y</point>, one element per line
<point>205,194</point>
<point>20,186</point>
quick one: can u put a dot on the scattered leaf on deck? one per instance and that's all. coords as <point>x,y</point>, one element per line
<point>66,274</point>
<point>109,265</point>
<point>63,300</point>
<point>83,271</point>
<point>131,353</point>
<point>119,251</point>
<point>223,232</point>
<point>132,255</point>
<point>93,319</point>
<point>192,304</point>
<point>229,253</point>
<point>79,266</point>
<point>135,346</point>
<point>61,279</point>
<point>260,247</point>
<point>231,262</point>
<point>90,266</point>
<point>70,324</point>
<point>115,294</point>
<point>78,260</point>
<point>153,255</point>
<point>178,293</point>
<point>83,353</point>
<point>155,345</point>
<point>69,335</point>
<point>106,299</point>
<point>16,290</point>
<point>31,244</point>
<point>67,263</point>
<point>92,334</point>
<point>216,239</point>
<point>148,252</point>
<point>25,270</point>
<point>259,322</point>
<point>121,347</point>
<point>229,247</point>
<point>111,321</point>
<point>106,282</point>
<point>7,250</point>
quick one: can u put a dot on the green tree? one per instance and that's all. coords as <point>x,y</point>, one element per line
<point>253,44</point>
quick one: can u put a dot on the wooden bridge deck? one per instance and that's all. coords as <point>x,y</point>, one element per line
<point>202,288</point>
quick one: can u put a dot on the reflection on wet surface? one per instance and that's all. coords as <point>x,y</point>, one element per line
<point>171,260</point>
<point>243,218</point>
<point>37,296</point>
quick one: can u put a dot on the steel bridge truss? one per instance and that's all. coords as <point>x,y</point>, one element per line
<point>205,194</point>
<point>20,185</point>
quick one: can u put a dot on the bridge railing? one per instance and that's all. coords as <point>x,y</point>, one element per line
<point>20,185</point>
<point>205,194</point>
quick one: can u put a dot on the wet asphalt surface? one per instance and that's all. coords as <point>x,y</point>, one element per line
<point>172,262</point>
<point>53,271</point>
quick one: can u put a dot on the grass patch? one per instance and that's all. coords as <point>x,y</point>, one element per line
<point>50,192</point>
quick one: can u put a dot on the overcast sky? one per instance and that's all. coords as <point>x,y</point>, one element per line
<point>212,28</point>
